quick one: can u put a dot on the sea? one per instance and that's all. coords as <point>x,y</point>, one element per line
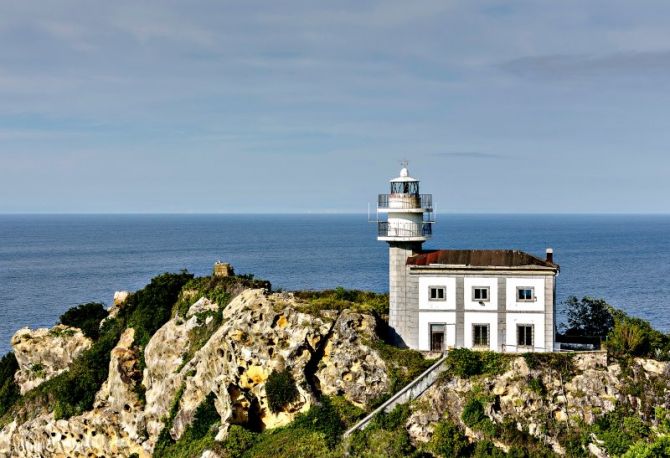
<point>49,263</point>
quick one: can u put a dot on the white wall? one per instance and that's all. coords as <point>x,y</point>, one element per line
<point>536,306</point>
<point>536,319</point>
<point>470,282</point>
<point>490,318</point>
<point>425,282</point>
<point>428,318</point>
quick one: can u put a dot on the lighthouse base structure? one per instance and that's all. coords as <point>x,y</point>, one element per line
<point>403,295</point>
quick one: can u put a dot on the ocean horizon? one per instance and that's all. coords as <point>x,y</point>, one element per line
<point>51,262</point>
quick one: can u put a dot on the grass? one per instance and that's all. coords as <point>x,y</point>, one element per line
<point>340,299</point>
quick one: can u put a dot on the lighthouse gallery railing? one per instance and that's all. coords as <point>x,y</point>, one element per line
<point>423,230</point>
<point>405,201</point>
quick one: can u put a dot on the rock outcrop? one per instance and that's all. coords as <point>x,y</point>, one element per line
<point>348,366</point>
<point>44,353</point>
<point>113,428</point>
<point>225,353</point>
<point>593,390</point>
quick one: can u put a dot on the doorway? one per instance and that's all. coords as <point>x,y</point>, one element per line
<point>437,337</point>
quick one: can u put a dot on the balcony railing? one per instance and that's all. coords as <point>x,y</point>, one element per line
<point>410,230</point>
<point>405,201</point>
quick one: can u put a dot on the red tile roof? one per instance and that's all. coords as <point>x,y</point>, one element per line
<point>478,258</point>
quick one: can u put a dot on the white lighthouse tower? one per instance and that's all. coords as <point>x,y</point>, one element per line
<point>404,221</point>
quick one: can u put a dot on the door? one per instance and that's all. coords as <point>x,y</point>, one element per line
<point>437,332</point>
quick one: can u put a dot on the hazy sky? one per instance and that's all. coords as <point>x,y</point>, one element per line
<point>245,106</point>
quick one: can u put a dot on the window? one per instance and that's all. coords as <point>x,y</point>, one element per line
<point>437,293</point>
<point>524,335</point>
<point>480,293</point>
<point>480,335</point>
<point>437,337</point>
<point>525,294</point>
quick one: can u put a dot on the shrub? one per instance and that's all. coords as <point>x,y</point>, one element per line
<point>151,307</point>
<point>9,390</point>
<point>628,338</point>
<point>473,413</point>
<point>536,386</point>
<point>562,363</point>
<point>197,437</point>
<point>486,449</point>
<point>394,419</point>
<point>660,447</point>
<point>280,389</point>
<point>346,411</point>
<point>462,362</point>
<point>74,390</point>
<point>322,418</point>
<point>619,431</point>
<point>239,440</point>
<point>448,440</point>
<point>86,317</point>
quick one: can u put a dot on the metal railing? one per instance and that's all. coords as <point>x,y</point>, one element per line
<point>405,201</point>
<point>410,230</point>
<point>410,392</point>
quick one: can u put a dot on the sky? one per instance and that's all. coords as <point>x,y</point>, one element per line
<point>302,106</point>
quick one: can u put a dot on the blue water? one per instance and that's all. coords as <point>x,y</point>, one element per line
<point>49,263</point>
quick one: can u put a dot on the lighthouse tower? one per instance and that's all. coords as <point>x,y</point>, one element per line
<point>404,221</point>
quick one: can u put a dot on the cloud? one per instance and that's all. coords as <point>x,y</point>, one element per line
<point>561,66</point>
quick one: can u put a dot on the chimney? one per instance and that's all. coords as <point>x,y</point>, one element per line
<point>550,255</point>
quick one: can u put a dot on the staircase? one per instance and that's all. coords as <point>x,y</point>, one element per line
<point>411,391</point>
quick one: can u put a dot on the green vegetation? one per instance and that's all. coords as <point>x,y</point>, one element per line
<point>619,430</point>
<point>219,290</point>
<point>197,438</point>
<point>385,436</point>
<point>340,299</point>
<point>561,363</point>
<point>403,365</point>
<point>448,440</point>
<point>588,317</point>
<point>86,317</point>
<point>73,391</point>
<point>151,307</point>
<point>281,390</point>
<point>626,336</point>
<point>9,390</point>
<point>636,337</point>
<point>314,433</point>
<point>462,362</point>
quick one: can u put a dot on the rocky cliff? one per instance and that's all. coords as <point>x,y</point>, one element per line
<point>227,353</point>
<point>215,351</point>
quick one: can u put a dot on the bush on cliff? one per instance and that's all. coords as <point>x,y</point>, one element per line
<point>198,437</point>
<point>151,307</point>
<point>9,390</point>
<point>636,337</point>
<point>86,317</point>
<point>448,440</point>
<point>314,433</point>
<point>146,310</point>
<point>462,362</point>
<point>280,389</point>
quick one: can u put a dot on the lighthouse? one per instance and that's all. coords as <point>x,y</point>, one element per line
<point>404,221</point>
<point>499,300</point>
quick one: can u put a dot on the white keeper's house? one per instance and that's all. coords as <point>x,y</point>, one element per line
<point>501,300</point>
